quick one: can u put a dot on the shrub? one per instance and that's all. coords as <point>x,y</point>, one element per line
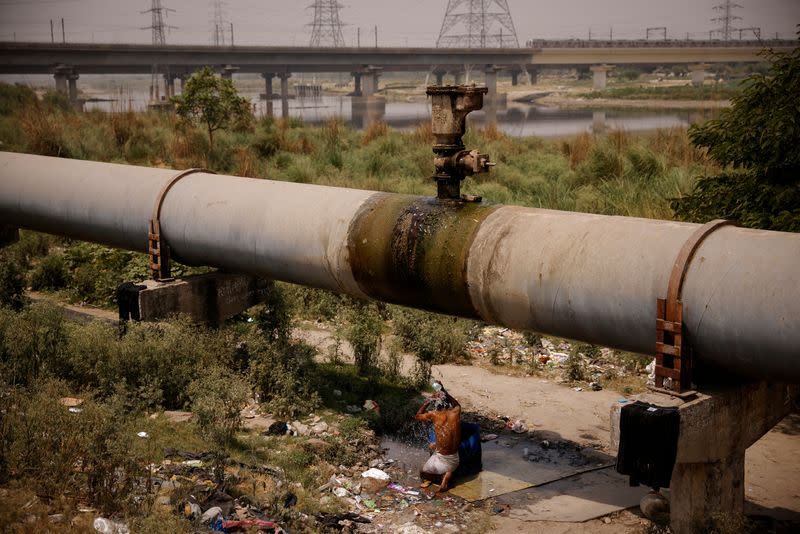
<point>93,452</point>
<point>431,337</point>
<point>217,397</point>
<point>51,273</point>
<point>33,343</point>
<point>14,97</point>
<point>274,317</point>
<point>364,334</point>
<point>11,283</point>
<point>283,374</point>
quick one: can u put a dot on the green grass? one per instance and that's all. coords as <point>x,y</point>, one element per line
<point>681,92</point>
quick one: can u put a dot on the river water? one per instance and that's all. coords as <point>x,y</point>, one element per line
<point>515,119</point>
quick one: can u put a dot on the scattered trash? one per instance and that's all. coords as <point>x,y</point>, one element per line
<point>107,526</point>
<point>70,401</point>
<point>192,463</point>
<point>75,409</point>
<point>371,405</point>
<point>320,427</point>
<point>525,453</point>
<point>340,492</point>
<point>290,500</point>
<point>278,428</point>
<point>352,408</point>
<point>401,489</point>
<point>577,389</point>
<point>192,510</point>
<point>143,435</point>
<point>300,429</point>
<point>489,437</point>
<point>369,503</point>
<point>56,518</point>
<point>595,386</point>
<point>545,444</point>
<point>543,359</point>
<point>654,505</point>
<point>332,521</point>
<point>211,515</point>
<point>519,426</point>
<point>244,525</point>
<point>376,473</point>
<point>337,393</point>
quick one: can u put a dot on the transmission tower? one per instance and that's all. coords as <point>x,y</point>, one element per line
<point>158,13</point>
<point>726,19</point>
<point>326,30</point>
<point>477,24</point>
<point>218,23</point>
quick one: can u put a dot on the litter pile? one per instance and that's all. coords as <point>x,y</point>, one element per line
<point>504,346</point>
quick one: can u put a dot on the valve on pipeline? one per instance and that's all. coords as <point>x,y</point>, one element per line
<point>450,105</point>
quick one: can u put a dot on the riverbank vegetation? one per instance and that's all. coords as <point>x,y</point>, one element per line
<point>720,91</point>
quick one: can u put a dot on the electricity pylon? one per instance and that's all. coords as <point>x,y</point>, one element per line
<point>477,24</point>
<point>726,19</point>
<point>327,26</point>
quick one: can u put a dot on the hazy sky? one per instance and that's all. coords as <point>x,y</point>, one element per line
<point>400,22</point>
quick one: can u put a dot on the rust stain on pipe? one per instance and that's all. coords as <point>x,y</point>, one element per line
<point>411,250</point>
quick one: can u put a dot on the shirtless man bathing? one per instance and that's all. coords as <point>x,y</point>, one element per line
<point>446,419</point>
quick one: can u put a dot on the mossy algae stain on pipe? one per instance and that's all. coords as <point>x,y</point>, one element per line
<point>413,250</point>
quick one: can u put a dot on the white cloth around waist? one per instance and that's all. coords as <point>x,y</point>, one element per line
<point>439,464</point>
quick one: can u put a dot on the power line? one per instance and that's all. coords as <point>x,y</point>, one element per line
<point>326,29</point>
<point>477,24</point>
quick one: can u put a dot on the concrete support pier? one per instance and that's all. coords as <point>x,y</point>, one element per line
<point>61,74</point>
<point>458,77</point>
<point>268,92</point>
<point>439,77</point>
<point>169,84</point>
<point>371,81</point>
<point>716,428</point>
<point>600,75</point>
<point>514,78</point>
<point>357,91</point>
<point>284,77</point>
<point>228,71</point>
<point>207,298</point>
<point>698,73</point>
<point>533,74</point>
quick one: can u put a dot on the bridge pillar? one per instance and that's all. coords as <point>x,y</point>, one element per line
<point>458,77</point>
<point>284,77</point>
<point>357,84</point>
<point>716,428</point>
<point>439,77</point>
<point>490,73</point>
<point>514,78</point>
<point>169,85</point>
<point>370,80</point>
<point>228,71</point>
<point>73,86</point>
<point>533,74</point>
<point>600,75</point>
<point>698,73</point>
<point>268,76</point>
<point>61,74</point>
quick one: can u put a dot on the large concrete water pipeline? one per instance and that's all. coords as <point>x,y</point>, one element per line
<point>589,277</point>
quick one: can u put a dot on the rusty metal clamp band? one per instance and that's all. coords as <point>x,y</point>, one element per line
<point>157,248</point>
<point>673,357</point>
<point>685,255</point>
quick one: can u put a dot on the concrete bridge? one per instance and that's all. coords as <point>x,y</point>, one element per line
<point>68,61</point>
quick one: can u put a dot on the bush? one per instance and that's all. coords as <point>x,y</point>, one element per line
<point>93,453</point>
<point>14,97</point>
<point>433,338</point>
<point>363,331</point>
<point>11,283</point>
<point>51,273</point>
<point>217,397</point>
<point>33,343</point>
<point>284,377</point>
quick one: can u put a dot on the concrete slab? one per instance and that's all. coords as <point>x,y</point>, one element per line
<point>505,470</point>
<point>575,499</point>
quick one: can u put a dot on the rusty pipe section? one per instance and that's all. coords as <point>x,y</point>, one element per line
<point>589,277</point>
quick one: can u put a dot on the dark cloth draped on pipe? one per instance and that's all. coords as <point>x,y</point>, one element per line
<point>648,443</point>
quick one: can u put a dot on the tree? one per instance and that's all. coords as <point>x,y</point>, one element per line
<point>213,102</point>
<point>756,141</point>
